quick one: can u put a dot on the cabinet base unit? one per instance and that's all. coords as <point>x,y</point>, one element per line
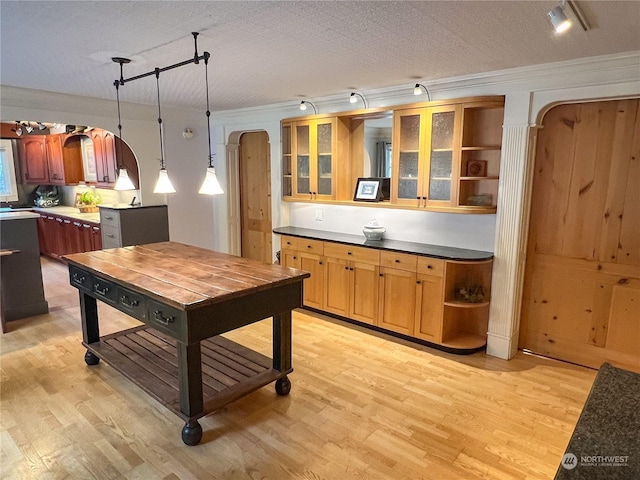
<point>430,294</point>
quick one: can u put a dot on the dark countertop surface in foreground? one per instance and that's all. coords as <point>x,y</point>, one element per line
<point>435,251</point>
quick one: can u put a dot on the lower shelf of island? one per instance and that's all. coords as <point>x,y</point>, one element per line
<point>149,359</point>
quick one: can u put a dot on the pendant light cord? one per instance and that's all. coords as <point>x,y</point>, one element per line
<point>157,72</point>
<point>118,160</point>
<point>206,76</point>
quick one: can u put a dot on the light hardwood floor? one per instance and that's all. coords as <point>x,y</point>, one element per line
<point>362,406</point>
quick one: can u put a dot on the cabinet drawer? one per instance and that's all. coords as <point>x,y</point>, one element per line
<point>289,243</point>
<point>349,252</point>
<point>310,246</point>
<point>104,289</point>
<point>108,217</point>
<point>131,303</point>
<point>80,278</point>
<point>401,261</point>
<point>163,317</point>
<point>431,266</point>
<point>111,237</point>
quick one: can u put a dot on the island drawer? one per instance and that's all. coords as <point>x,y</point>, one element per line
<point>110,237</point>
<point>80,278</point>
<point>163,317</point>
<point>349,252</point>
<point>132,303</point>
<point>431,266</point>
<point>104,289</point>
<point>107,217</point>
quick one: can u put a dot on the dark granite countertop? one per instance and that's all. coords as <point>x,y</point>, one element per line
<point>435,251</point>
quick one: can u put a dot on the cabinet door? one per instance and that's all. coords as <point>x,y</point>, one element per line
<point>363,295</point>
<point>86,237</point>
<point>324,159</point>
<point>287,171</point>
<point>408,157</point>
<point>109,173</point>
<point>33,159</point>
<point>314,285</point>
<point>443,147</point>
<point>96,237</point>
<point>302,160</point>
<point>55,159</point>
<point>43,234</point>
<point>397,300</point>
<point>290,258</point>
<point>429,305</point>
<point>337,281</point>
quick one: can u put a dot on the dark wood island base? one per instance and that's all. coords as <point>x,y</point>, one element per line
<point>186,297</point>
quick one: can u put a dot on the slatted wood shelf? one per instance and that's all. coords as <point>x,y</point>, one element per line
<point>149,359</point>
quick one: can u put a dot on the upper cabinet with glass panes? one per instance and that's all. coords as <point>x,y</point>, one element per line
<point>441,155</point>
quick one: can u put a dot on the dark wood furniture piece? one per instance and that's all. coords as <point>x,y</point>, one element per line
<point>126,225</point>
<point>186,297</point>
<point>21,288</point>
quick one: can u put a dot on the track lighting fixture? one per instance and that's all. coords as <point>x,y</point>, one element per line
<point>163,184</point>
<point>28,128</point>
<point>304,103</point>
<point>18,129</point>
<point>353,98</point>
<point>211,185</point>
<point>558,18</point>
<point>417,90</point>
<point>41,126</point>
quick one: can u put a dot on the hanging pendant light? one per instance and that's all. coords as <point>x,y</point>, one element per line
<point>123,182</point>
<point>163,185</point>
<point>211,185</point>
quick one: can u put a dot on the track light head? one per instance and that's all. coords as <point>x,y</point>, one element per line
<point>353,98</point>
<point>558,18</point>
<point>303,106</point>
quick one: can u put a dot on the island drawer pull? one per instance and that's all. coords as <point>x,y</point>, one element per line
<point>127,302</point>
<point>104,291</point>
<point>163,320</point>
<point>78,278</point>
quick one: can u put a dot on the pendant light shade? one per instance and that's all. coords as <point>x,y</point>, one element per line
<point>211,186</point>
<point>123,182</point>
<point>558,19</point>
<point>163,185</point>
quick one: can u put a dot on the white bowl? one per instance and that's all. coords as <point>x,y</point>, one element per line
<point>373,233</point>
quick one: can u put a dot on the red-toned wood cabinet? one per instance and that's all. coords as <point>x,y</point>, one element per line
<point>55,160</point>
<point>104,150</point>
<point>32,153</point>
<point>60,235</point>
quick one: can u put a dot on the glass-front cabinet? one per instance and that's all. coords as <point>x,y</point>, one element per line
<point>313,158</point>
<point>426,159</point>
<point>287,179</point>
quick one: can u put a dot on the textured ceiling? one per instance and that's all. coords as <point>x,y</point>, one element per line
<point>266,52</point>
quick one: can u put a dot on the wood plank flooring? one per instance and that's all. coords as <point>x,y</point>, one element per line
<point>362,406</point>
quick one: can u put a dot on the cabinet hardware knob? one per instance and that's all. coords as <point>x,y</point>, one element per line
<point>319,263</point>
<point>346,268</point>
<point>351,269</point>
<point>418,282</point>
<point>381,275</point>
<point>397,261</point>
<point>111,235</point>
<point>108,217</point>
<point>349,253</point>
<point>163,320</point>
<point>127,302</point>
<point>429,267</point>
<point>295,258</point>
<point>308,246</point>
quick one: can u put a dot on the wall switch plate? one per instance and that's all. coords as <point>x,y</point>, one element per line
<point>318,216</point>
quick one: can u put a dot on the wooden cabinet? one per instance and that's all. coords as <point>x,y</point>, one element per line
<point>104,151</point>
<point>32,153</point>
<point>445,155</point>
<point>55,160</point>
<point>426,161</point>
<point>480,155</point>
<point>444,302</point>
<point>133,225</point>
<point>59,235</point>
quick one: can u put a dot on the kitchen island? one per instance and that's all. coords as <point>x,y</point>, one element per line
<point>186,297</point>
<point>21,289</point>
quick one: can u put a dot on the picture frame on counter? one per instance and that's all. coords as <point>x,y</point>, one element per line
<point>368,190</point>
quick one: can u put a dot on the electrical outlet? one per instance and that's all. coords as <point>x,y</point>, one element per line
<point>318,216</point>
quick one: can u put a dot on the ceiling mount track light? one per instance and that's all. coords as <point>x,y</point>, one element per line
<point>303,106</point>
<point>353,98</point>
<point>558,18</point>
<point>164,184</point>
<point>417,90</point>
<point>18,129</point>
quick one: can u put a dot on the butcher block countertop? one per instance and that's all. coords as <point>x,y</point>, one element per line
<point>185,276</point>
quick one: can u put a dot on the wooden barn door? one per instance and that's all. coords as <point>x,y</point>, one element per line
<point>255,196</point>
<point>581,299</point>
